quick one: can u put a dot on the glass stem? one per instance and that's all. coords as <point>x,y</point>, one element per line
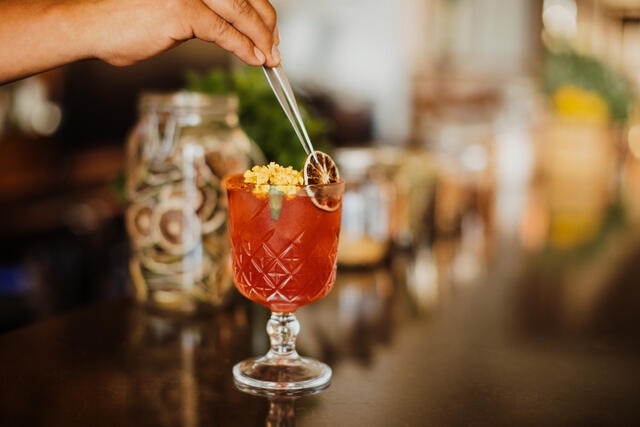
<point>283,329</point>
<point>281,412</point>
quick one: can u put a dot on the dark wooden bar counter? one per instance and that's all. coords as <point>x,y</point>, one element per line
<point>534,340</point>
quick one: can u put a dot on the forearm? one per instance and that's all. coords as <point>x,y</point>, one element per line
<point>38,35</point>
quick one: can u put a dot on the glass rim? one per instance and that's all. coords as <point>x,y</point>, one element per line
<point>184,100</point>
<point>246,186</point>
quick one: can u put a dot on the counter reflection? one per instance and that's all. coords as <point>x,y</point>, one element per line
<point>180,369</point>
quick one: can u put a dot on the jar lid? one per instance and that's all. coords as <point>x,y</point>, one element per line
<point>187,102</point>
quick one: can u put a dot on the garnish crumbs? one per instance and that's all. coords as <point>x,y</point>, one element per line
<point>285,179</point>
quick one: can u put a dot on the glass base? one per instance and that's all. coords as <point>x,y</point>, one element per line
<point>289,376</point>
<point>282,371</point>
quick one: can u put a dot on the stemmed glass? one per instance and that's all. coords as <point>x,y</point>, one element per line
<point>284,249</point>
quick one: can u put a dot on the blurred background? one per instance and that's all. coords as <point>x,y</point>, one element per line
<point>465,128</point>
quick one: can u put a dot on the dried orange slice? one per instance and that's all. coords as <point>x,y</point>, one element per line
<point>319,168</point>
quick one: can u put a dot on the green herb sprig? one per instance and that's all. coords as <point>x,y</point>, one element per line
<point>260,115</point>
<point>564,65</point>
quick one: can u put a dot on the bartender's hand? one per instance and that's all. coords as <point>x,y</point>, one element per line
<point>136,29</point>
<point>37,35</point>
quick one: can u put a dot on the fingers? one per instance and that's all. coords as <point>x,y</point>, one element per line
<point>268,15</point>
<point>208,26</point>
<point>254,20</point>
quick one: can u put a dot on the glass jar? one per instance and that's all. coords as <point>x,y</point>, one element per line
<point>366,229</point>
<point>182,146</point>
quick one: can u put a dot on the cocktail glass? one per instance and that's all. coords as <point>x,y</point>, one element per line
<point>284,251</point>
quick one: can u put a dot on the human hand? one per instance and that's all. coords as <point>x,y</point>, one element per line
<point>127,31</point>
<point>38,35</point>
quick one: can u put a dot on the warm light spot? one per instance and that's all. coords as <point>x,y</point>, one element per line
<point>475,158</point>
<point>634,140</point>
<point>560,17</point>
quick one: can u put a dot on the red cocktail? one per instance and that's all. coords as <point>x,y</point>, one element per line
<point>284,248</point>
<point>281,263</point>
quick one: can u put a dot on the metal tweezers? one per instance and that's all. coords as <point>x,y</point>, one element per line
<point>282,89</point>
